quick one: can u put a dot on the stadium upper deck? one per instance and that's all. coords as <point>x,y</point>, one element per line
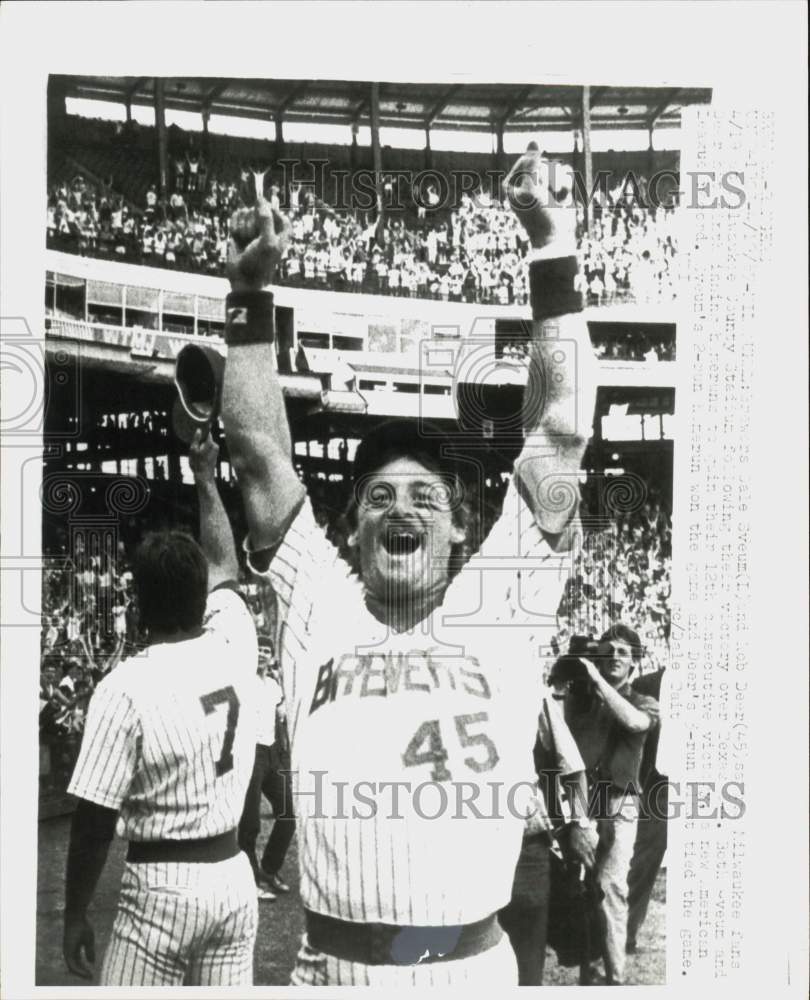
<point>350,353</point>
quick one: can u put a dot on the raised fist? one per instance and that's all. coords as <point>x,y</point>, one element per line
<point>541,194</point>
<point>257,239</point>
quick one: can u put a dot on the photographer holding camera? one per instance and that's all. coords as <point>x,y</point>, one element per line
<point>609,721</point>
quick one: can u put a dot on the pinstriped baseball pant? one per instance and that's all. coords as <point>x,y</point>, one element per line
<point>495,967</point>
<point>183,924</point>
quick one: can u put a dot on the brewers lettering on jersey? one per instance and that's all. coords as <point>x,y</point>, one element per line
<point>411,677</point>
<point>167,754</point>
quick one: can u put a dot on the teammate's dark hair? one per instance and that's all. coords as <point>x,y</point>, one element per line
<point>170,574</point>
<point>623,633</point>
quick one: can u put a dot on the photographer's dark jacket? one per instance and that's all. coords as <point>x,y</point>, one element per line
<point>611,753</point>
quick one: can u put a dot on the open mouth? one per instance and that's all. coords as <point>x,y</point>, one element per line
<point>401,543</point>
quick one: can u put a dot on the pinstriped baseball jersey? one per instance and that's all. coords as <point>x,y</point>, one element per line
<point>171,734</point>
<point>449,705</point>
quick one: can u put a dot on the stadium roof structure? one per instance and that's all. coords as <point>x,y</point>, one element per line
<point>476,107</point>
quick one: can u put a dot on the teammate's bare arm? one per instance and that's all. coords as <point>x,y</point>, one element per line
<point>560,394</point>
<point>91,832</point>
<point>216,536</point>
<point>253,410</point>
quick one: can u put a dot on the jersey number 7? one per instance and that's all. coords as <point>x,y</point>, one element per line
<point>224,696</point>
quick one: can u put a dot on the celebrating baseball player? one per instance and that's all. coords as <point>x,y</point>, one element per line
<point>411,676</point>
<point>167,754</point>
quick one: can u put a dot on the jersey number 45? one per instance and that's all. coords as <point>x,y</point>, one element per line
<point>426,747</point>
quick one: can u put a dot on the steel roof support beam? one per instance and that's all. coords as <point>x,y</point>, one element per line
<point>440,105</point>
<point>298,91</point>
<point>374,109</point>
<point>160,128</point>
<point>587,158</point>
<point>213,94</point>
<point>130,92</point>
<point>662,107</point>
<point>516,106</point>
<point>596,94</point>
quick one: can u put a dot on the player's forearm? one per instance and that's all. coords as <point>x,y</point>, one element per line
<point>253,410</point>
<point>259,443</point>
<point>627,715</point>
<point>216,537</point>
<point>92,829</point>
<point>559,398</point>
<point>561,392</point>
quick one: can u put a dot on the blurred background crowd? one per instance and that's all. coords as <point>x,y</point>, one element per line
<point>90,621</point>
<point>472,252</point>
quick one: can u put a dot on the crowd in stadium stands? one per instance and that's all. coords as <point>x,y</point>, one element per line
<point>623,574</point>
<point>88,624</point>
<point>473,253</point>
<point>89,620</point>
<point>636,345</point>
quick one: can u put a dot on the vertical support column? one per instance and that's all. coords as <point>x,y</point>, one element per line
<point>57,115</point>
<point>586,151</point>
<point>428,150</point>
<point>128,109</point>
<point>375,151</point>
<point>500,164</point>
<point>160,129</point>
<point>650,152</point>
<point>206,118</point>
<point>353,151</point>
<point>279,138</point>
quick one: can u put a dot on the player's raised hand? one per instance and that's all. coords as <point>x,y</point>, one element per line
<point>541,194</point>
<point>257,239</point>
<point>79,937</point>
<point>202,457</point>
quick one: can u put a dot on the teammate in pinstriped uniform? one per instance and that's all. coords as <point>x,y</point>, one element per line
<point>167,755</point>
<point>405,668</point>
<point>271,779</point>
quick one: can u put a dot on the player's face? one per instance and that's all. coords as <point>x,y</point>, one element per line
<point>405,530</point>
<point>615,662</point>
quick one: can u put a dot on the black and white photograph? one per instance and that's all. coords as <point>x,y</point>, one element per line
<point>376,487</point>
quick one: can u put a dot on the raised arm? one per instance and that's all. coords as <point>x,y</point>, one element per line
<point>629,717</point>
<point>253,411</point>
<point>216,536</point>
<point>560,393</point>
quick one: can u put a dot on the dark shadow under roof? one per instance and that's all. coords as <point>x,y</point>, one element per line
<point>466,106</point>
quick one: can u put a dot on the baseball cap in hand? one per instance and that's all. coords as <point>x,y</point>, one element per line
<point>198,376</point>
